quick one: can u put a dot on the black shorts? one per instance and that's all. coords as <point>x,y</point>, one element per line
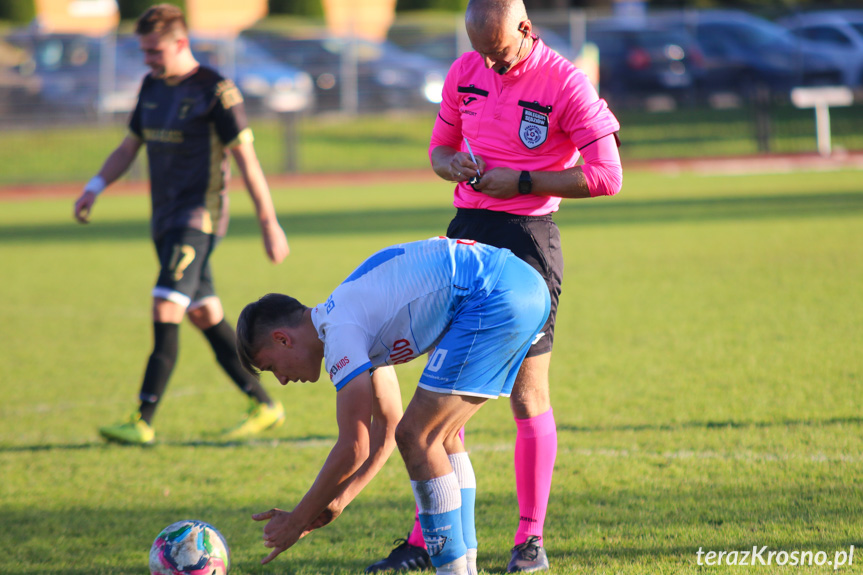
<point>534,239</point>
<point>185,276</point>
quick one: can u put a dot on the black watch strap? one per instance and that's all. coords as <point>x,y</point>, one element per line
<point>525,185</point>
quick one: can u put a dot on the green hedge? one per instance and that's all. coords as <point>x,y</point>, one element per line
<point>311,8</point>
<point>18,11</point>
<point>441,5</point>
<point>131,9</point>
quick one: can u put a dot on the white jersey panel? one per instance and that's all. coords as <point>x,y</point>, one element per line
<point>398,303</point>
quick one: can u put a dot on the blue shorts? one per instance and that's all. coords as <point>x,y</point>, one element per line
<point>481,352</point>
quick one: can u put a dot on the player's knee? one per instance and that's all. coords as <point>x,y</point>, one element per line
<point>405,437</point>
<point>529,402</point>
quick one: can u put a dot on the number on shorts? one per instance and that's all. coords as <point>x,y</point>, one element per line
<point>435,362</point>
<point>183,256</point>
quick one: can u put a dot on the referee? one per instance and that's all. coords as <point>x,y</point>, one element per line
<point>188,117</point>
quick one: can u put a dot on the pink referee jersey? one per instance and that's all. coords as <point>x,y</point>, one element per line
<point>535,117</point>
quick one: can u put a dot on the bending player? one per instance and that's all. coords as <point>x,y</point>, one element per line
<point>475,307</point>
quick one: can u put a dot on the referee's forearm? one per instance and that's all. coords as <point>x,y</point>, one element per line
<point>440,160</point>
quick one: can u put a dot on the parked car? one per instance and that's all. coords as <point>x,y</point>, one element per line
<point>16,90</point>
<point>266,83</point>
<point>74,74</point>
<point>639,61</point>
<point>386,77</point>
<point>840,30</point>
<point>749,55</point>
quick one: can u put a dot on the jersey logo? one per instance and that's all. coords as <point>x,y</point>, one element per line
<point>533,130</point>
<point>402,352</point>
<point>228,94</point>
<point>338,366</point>
<point>468,99</point>
<point>185,107</point>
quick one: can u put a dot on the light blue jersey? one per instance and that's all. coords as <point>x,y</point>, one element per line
<point>406,299</point>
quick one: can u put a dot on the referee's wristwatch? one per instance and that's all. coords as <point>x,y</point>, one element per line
<point>525,185</point>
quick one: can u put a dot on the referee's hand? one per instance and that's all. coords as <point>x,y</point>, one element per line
<point>83,206</point>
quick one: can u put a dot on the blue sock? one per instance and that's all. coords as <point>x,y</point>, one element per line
<point>463,470</point>
<point>440,515</point>
<point>443,536</point>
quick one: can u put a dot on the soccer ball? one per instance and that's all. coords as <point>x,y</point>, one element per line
<point>189,547</point>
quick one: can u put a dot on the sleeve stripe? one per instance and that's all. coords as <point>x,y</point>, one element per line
<point>244,137</point>
<point>353,374</point>
<point>444,121</point>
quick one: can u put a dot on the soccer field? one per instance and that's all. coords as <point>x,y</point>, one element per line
<point>706,382</point>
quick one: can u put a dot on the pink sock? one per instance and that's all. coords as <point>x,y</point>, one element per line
<point>535,451</point>
<point>416,535</point>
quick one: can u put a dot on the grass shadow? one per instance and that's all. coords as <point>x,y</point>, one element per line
<point>432,221</point>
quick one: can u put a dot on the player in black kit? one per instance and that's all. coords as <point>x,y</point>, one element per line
<point>188,117</point>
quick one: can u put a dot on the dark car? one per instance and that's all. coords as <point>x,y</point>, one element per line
<point>838,30</point>
<point>266,83</point>
<point>749,55</point>
<point>357,74</point>
<point>640,62</point>
<point>79,76</point>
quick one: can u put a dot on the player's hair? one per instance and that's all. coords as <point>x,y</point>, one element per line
<point>163,19</point>
<point>259,318</point>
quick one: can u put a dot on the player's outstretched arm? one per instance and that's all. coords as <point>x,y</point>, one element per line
<point>115,166</point>
<point>386,414</point>
<point>354,408</point>
<point>275,242</point>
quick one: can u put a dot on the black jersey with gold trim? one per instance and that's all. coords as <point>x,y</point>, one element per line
<point>187,128</point>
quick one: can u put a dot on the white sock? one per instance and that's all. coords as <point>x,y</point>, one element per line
<point>456,567</point>
<point>437,495</point>
<point>471,562</point>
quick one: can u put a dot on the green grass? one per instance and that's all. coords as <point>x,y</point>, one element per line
<point>706,382</point>
<point>326,144</point>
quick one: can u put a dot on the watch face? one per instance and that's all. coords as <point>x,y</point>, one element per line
<point>524,183</point>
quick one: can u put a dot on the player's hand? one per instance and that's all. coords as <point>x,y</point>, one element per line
<point>83,206</point>
<point>500,183</point>
<point>462,168</point>
<point>275,241</point>
<point>280,532</point>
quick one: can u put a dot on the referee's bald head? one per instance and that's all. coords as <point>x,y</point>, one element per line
<point>485,15</point>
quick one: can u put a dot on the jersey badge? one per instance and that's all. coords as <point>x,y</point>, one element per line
<point>185,107</point>
<point>533,129</point>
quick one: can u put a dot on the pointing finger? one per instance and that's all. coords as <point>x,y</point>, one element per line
<point>263,516</point>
